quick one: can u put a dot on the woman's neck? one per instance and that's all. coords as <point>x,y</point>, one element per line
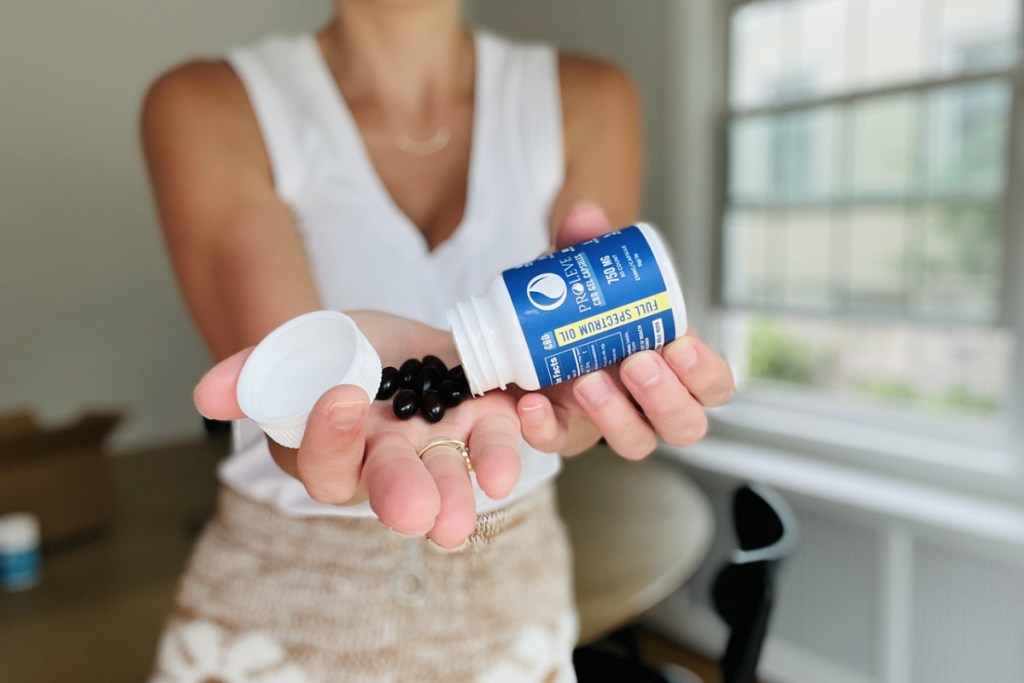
<point>408,56</point>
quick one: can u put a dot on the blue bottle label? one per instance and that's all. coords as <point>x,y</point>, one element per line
<point>591,305</point>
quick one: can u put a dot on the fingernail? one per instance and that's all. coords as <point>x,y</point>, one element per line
<point>642,369</point>
<point>532,414</point>
<point>344,415</point>
<point>587,207</point>
<point>443,549</point>
<point>402,533</point>
<point>594,389</point>
<point>682,354</point>
<point>196,400</point>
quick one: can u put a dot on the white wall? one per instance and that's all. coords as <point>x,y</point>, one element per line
<point>89,313</point>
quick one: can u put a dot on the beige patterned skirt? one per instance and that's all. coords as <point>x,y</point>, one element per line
<point>294,600</point>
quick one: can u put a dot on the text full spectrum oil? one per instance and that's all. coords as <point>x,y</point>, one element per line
<point>571,312</point>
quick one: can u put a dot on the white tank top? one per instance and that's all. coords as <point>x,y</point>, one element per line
<point>363,251</point>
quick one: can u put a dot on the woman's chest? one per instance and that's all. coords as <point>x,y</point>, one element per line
<point>425,170</point>
<point>364,256</point>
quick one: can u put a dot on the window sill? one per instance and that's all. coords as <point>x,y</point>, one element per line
<point>949,456</point>
<point>870,435</point>
<point>849,485</point>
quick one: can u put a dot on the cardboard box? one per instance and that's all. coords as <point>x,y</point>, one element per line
<point>62,474</point>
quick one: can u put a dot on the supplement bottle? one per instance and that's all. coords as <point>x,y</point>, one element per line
<point>571,312</point>
<point>19,551</point>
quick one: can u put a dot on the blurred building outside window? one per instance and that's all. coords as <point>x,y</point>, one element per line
<point>867,216</point>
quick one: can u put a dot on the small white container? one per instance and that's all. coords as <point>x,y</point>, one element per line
<point>571,312</point>
<point>19,551</point>
<point>296,363</point>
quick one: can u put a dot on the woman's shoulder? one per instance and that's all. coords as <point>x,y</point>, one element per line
<point>596,96</point>
<point>583,72</point>
<point>197,91</point>
<point>579,75</point>
<point>202,102</point>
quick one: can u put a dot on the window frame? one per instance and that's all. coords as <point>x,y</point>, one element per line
<point>904,445</point>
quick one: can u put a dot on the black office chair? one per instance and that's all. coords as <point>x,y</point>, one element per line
<point>743,595</point>
<point>744,590</point>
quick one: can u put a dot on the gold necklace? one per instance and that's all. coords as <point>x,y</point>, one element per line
<point>424,148</point>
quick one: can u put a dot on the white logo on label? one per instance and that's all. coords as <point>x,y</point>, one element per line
<point>547,291</point>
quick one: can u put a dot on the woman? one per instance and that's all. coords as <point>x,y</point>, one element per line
<point>389,166</point>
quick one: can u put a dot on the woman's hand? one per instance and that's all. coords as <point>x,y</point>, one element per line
<point>671,388</point>
<point>355,448</point>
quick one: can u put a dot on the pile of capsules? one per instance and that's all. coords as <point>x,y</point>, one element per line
<point>423,385</point>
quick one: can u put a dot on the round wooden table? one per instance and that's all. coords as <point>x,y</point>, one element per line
<point>638,531</point>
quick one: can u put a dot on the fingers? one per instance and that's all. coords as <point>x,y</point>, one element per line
<point>582,222</point>
<point>457,517</point>
<point>540,427</point>
<point>672,389</point>
<point>330,459</point>
<point>706,375</point>
<point>494,449</point>
<point>214,396</point>
<point>673,412</point>
<point>402,492</point>
<point>605,404</point>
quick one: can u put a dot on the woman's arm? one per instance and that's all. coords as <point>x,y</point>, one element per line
<point>240,263</point>
<point>233,243</point>
<point>603,145</point>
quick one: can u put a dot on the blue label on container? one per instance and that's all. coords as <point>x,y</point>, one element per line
<point>18,569</point>
<point>591,305</point>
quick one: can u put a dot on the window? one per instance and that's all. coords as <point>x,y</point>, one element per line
<point>868,217</point>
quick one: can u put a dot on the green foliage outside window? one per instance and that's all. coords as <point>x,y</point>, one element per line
<point>778,356</point>
<point>956,398</point>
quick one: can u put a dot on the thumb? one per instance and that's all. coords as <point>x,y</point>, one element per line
<point>582,222</point>
<point>214,396</point>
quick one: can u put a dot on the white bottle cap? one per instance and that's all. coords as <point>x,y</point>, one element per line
<point>296,363</point>
<point>19,531</point>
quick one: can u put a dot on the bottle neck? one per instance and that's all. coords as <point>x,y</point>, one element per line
<point>481,348</point>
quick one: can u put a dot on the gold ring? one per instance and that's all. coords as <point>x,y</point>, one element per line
<point>459,446</point>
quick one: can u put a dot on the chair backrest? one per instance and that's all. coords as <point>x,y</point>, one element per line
<point>743,591</point>
<point>764,523</point>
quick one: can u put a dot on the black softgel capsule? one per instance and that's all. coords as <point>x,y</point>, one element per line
<point>429,377</point>
<point>430,359</point>
<point>452,393</point>
<point>389,383</point>
<point>406,404</point>
<point>458,375</point>
<point>408,371</point>
<point>432,407</point>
